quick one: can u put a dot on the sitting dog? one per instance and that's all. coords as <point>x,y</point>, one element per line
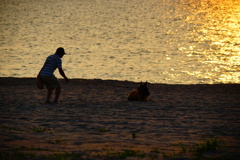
<point>141,94</point>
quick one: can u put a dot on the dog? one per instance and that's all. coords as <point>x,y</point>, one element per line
<point>141,94</point>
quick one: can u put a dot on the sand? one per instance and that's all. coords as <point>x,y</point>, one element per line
<point>95,119</point>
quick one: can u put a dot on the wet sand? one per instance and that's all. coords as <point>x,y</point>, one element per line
<point>95,118</point>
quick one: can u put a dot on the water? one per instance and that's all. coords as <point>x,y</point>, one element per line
<point>160,41</point>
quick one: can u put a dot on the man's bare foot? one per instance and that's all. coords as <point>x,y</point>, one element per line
<point>56,102</point>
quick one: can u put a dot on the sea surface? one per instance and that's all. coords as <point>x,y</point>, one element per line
<point>159,41</point>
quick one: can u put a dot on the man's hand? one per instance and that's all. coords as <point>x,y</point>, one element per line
<point>66,79</point>
<point>63,74</point>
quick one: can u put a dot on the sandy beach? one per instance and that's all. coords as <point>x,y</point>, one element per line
<point>95,120</point>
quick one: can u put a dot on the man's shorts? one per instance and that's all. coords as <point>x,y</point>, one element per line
<point>51,82</point>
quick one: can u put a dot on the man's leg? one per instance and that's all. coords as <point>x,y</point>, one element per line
<point>49,94</point>
<point>57,94</point>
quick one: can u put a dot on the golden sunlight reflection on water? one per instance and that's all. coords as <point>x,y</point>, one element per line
<point>217,24</point>
<point>167,41</point>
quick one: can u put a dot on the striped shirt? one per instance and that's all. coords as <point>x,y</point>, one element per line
<point>52,62</point>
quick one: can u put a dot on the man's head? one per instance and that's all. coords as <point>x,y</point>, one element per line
<point>60,52</point>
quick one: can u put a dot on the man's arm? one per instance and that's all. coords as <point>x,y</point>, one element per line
<point>63,74</point>
<point>40,70</point>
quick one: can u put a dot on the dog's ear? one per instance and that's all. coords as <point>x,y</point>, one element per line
<point>145,83</point>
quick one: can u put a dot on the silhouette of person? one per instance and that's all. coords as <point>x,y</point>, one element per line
<point>48,78</point>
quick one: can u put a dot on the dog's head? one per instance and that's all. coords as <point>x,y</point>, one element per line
<point>143,91</point>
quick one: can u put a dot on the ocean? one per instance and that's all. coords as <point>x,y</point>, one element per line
<point>159,41</point>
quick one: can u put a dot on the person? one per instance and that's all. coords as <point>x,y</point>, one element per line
<point>47,77</point>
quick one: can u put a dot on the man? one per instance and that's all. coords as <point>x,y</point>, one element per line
<point>47,77</point>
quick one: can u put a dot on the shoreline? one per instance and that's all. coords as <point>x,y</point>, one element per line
<point>94,117</point>
<point>7,80</point>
